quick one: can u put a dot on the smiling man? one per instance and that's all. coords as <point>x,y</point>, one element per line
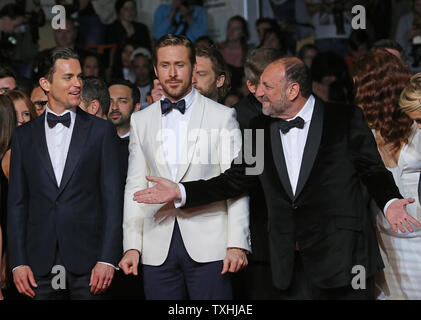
<point>59,204</point>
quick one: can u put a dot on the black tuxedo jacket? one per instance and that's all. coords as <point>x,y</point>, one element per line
<point>83,217</point>
<point>247,110</point>
<point>326,218</point>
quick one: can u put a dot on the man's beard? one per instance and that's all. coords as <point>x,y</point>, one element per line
<point>179,93</point>
<point>211,92</point>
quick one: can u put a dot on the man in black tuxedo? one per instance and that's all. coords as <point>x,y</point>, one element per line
<point>125,99</point>
<point>318,225</point>
<point>63,207</point>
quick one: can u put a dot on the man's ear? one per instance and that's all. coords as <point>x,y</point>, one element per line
<point>44,84</point>
<point>252,88</point>
<point>220,81</point>
<point>293,91</point>
<point>156,73</point>
<point>95,106</point>
<point>136,107</point>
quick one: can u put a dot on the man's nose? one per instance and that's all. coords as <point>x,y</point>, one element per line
<point>173,72</point>
<point>259,91</point>
<point>113,105</point>
<point>77,82</point>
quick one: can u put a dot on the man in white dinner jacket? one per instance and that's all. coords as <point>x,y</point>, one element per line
<point>185,254</point>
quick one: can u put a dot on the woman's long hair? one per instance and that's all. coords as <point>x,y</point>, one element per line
<point>7,123</point>
<point>379,80</point>
<point>16,95</point>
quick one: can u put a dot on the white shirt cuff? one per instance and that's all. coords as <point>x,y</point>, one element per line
<point>109,264</point>
<point>388,204</point>
<point>17,267</point>
<point>182,202</point>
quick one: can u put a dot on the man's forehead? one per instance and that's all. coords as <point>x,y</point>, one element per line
<point>273,71</point>
<point>119,90</point>
<point>64,65</point>
<point>171,53</point>
<point>8,81</point>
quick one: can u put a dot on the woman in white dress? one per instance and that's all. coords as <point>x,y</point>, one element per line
<point>380,78</point>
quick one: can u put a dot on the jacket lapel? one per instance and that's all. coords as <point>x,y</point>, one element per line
<point>312,145</point>
<point>42,148</point>
<point>189,146</point>
<point>155,142</point>
<point>279,158</point>
<point>79,137</point>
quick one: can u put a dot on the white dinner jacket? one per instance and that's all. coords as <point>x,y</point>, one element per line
<point>207,231</point>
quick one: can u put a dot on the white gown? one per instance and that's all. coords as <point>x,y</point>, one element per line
<point>401,252</point>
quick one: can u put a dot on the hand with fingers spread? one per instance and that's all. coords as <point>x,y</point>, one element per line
<point>24,279</point>
<point>101,278</point>
<point>235,260</point>
<point>164,191</point>
<point>130,262</point>
<point>398,217</point>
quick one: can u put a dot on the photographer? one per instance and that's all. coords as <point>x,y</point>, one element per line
<point>181,18</point>
<point>332,23</point>
<point>12,17</point>
<point>408,35</point>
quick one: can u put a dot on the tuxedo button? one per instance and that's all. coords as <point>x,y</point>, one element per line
<point>295,207</point>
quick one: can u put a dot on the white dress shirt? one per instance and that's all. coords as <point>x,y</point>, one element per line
<point>174,133</point>
<point>58,142</point>
<point>294,141</point>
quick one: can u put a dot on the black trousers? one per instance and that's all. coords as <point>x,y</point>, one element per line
<point>254,282</point>
<point>68,287</point>
<point>302,289</point>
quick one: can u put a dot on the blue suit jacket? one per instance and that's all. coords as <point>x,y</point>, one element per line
<point>83,217</point>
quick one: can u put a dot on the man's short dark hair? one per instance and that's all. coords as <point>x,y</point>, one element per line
<point>7,71</point>
<point>56,54</point>
<point>95,88</point>
<point>134,89</point>
<point>219,67</point>
<point>296,71</point>
<point>257,60</point>
<point>12,10</point>
<point>175,40</point>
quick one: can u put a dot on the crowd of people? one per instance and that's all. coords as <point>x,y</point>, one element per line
<point>91,180</point>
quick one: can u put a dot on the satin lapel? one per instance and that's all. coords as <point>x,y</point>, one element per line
<point>279,158</point>
<point>312,146</point>
<point>189,145</point>
<point>79,136</point>
<point>155,143</point>
<point>42,148</point>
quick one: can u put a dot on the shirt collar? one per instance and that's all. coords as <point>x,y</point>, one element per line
<point>189,98</point>
<point>307,111</point>
<point>126,135</point>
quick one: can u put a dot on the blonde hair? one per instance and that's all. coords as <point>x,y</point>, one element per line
<point>410,99</point>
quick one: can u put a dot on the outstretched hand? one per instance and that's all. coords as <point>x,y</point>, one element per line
<point>398,217</point>
<point>164,191</point>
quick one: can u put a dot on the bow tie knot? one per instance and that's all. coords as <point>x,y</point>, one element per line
<point>167,106</point>
<point>285,125</point>
<point>52,119</point>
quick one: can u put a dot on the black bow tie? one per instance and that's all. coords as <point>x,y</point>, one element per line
<point>167,106</point>
<point>285,125</point>
<point>52,120</point>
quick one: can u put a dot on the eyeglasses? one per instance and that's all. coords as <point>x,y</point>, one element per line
<point>39,105</point>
